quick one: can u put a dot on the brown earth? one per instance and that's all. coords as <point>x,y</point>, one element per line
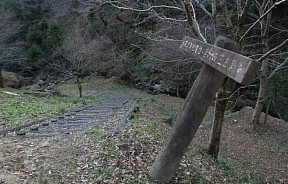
<point>264,149</point>
<point>90,157</point>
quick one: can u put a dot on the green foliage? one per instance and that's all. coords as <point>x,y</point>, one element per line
<point>53,35</point>
<point>33,53</point>
<point>91,16</point>
<point>45,34</point>
<point>34,36</point>
<point>43,37</point>
<point>26,10</point>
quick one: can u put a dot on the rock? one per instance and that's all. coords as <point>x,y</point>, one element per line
<point>53,120</point>
<point>157,87</point>
<point>167,120</point>
<point>10,79</point>
<point>45,123</point>
<point>21,132</point>
<point>44,144</point>
<point>40,82</point>
<point>137,108</point>
<point>61,117</point>
<point>115,79</point>
<point>123,146</point>
<point>34,128</point>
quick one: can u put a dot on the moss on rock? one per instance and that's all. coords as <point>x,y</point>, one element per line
<point>10,79</point>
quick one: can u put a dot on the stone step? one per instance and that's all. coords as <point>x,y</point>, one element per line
<point>111,109</point>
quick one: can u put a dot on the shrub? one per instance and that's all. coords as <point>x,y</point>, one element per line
<point>53,35</point>
<point>33,53</point>
<point>34,36</point>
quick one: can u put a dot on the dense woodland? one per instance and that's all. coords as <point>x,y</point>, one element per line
<point>138,42</point>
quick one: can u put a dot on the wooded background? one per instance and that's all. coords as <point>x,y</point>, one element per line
<point>138,42</point>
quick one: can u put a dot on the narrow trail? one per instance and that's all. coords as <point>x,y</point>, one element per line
<point>26,153</point>
<point>112,108</point>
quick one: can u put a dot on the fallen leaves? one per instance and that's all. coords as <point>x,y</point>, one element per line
<point>125,156</point>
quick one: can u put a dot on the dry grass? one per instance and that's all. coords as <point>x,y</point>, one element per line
<point>93,156</point>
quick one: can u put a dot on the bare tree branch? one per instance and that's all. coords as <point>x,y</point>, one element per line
<point>163,17</point>
<point>283,44</point>
<point>122,6</point>
<point>279,67</point>
<point>215,19</point>
<point>203,8</point>
<point>161,60</point>
<point>244,12</point>
<point>238,89</point>
<point>239,8</point>
<point>227,18</point>
<point>192,20</point>
<point>260,18</point>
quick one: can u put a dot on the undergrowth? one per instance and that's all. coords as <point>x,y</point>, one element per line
<point>96,155</point>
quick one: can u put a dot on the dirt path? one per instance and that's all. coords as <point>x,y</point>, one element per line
<point>84,145</point>
<point>21,155</point>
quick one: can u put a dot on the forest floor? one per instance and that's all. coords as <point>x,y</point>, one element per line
<point>101,155</point>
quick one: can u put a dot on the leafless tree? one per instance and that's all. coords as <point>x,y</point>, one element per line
<point>265,10</point>
<point>220,17</point>
<point>81,53</point>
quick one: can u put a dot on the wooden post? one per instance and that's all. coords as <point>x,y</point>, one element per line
<point>196,104</point>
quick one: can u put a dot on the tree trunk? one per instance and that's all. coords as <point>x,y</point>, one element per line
<point>262,96</point>
<point>220,107</point>
<point>264,81</point>
<point>193,111</point>
<point>1,78</point>
<point>79,86</point>
<point>218,118</point>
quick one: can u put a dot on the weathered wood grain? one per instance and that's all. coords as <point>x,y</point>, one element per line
<point>238,67</point>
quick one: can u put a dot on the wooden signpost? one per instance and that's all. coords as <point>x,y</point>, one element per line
<point>219,63</point>
<point>238,67</point>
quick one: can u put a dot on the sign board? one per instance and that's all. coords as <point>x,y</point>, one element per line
<point>219,63</point>
<point>238,67</point>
